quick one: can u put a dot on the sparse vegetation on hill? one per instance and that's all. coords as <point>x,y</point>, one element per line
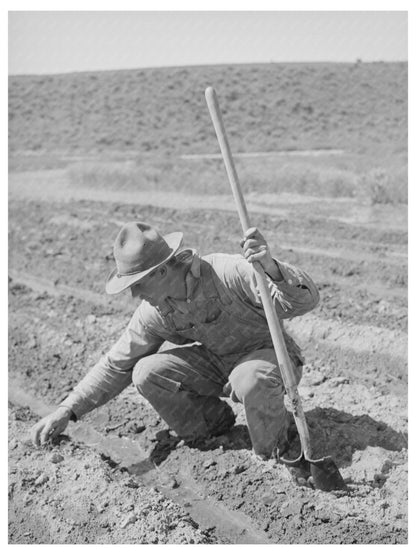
<point>358,107</point>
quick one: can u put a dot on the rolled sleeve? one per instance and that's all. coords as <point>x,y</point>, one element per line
<point>294,295</point>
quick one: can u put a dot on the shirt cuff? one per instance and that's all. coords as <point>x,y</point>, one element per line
<point>77,405</point>
<point>290,275</point>
<point>73,416</point>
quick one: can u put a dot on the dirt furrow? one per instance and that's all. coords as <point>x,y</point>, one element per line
<point>44,285</point>
<point>111,506</point>
<point>369,341</point>
<point>391,257</point>
<point>350,247</point>
<point>230,526</point>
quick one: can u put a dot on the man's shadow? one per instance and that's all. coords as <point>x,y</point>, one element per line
<point>333,432</point>
<point>339,434</point>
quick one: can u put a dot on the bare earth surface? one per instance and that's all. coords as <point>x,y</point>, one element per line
<point>120,476</point>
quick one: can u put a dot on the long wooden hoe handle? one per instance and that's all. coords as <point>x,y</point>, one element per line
<point>273,322</point>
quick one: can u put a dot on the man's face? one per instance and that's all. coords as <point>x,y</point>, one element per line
<point>153,288</point>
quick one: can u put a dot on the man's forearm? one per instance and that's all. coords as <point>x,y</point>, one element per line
<point>101,384</point>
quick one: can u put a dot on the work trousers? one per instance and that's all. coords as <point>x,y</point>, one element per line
<point>184,386</point>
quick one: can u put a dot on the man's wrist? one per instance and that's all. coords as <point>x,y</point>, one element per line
<point>72,416</point>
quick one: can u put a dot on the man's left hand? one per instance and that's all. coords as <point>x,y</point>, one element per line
<point>256,249</point>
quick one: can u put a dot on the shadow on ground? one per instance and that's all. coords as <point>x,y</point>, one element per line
<point>333,432</point>
<point>339,434</point>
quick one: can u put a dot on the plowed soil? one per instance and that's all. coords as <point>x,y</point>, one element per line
<point>354,385</point>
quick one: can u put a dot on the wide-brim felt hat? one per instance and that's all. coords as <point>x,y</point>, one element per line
<point>138,250</point>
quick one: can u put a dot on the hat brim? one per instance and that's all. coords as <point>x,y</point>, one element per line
<point>116,283</point>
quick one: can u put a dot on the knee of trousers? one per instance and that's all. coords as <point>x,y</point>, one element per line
<point>144,374</point>
<point>251,379</point>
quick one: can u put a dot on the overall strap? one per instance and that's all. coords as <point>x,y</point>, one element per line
<point>164,309</point>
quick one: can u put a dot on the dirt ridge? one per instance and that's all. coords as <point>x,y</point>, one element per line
<point>365,340</point>
<point>362,339</point>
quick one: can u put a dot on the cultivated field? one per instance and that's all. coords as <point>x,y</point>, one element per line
<point>322,156</point>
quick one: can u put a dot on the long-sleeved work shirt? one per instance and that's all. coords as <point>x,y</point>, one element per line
<point>222,311</point>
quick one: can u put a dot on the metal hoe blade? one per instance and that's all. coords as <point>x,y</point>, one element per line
<point>324,472</point>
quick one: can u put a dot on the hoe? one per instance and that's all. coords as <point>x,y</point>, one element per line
<point>324,471</point>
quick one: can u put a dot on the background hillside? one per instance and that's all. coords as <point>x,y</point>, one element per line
<point>359,107</point>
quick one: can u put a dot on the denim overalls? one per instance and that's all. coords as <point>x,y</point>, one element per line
<point>234,356</point>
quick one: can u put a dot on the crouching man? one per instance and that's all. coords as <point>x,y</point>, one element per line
<point>210,307</point>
